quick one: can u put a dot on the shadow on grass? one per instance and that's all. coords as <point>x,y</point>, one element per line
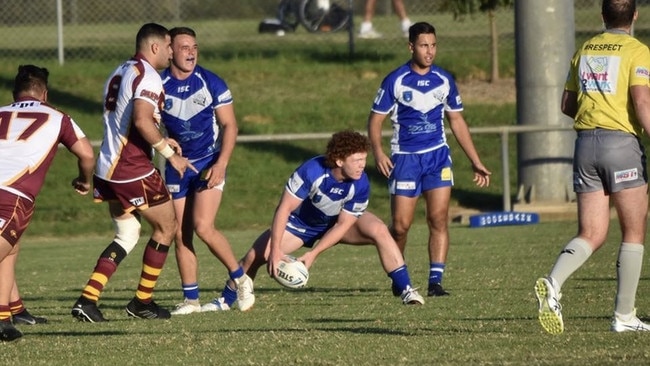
<point>60,99</point>
<point>481,201</point>
<point>288,151</point>
<point>83,334</point>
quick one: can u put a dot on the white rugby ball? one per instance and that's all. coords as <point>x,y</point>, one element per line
<point>292,273</point>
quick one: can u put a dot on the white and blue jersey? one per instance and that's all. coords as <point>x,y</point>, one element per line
<point>323,199</point>
<point>188,114</point>
<point>189,118</point>
<point>417,104</point>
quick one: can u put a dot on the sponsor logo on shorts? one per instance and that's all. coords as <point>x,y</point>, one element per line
<point>626,175</point>
<point>576,179</point>
<point>2,223</point>
<point>138,201</point>
<point>405,186</point>
<point>445,175</point>
<point>298,229</point>
<point>174,188</point>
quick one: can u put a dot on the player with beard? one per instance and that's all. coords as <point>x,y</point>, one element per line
<point>127,179</point>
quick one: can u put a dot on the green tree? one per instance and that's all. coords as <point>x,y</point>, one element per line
<point>461,8</point>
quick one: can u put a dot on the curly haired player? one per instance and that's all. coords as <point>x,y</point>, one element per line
<point>324,203</point>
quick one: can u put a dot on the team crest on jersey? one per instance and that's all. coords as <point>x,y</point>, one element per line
<point>169,103</point>
<point>407,96</point>
<point>199,99</point>
<point>317,198</point>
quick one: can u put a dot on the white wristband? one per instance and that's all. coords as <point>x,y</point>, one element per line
<point>167,151</point>
<point>158,144</point>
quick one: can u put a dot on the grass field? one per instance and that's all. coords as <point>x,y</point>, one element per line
<point>346,315</point>
<point>286,93</point>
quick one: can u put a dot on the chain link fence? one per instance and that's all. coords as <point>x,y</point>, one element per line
<point>67,30</point>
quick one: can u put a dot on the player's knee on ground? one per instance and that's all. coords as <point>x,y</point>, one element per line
<point>127,233</point>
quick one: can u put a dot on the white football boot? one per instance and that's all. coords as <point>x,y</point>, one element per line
<point>187,307</point>
<point>549,308</point>
<point>245,293</point>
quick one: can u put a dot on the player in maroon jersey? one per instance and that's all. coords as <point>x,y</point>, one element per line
<point>30,132</point>
<point>126,178</point>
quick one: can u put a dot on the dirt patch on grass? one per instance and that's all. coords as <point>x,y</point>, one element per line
<point>485,92</point>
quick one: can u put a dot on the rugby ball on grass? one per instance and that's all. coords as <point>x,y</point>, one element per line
<point>292,273</point>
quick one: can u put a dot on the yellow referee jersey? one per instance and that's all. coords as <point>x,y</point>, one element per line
<point>602,71</point>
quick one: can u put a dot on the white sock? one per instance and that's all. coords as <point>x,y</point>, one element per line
<point>628,268</point>
<point>572,257</point>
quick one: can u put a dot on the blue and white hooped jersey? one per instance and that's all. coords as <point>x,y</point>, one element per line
<point>417,104</point>
<point>189,116</point>
<point>324,198</point>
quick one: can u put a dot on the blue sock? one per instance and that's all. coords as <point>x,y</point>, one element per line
<point>191,291</point>
<point>400,277</point>
<point>236,273</point>
<point>435,272</point>
<point>229,295</point>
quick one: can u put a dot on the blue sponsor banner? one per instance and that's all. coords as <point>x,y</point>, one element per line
<point>503,218</point>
